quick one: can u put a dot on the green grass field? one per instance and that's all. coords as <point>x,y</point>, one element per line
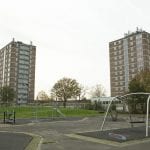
<point>46,112</point>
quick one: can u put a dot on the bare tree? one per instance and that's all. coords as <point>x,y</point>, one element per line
<point>42,96</point>
<point>83,92</point>
<point>98,91</point>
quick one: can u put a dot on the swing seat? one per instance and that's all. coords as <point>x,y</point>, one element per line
<point>137,122</point>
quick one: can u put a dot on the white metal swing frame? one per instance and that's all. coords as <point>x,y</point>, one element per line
<point>147,110</point>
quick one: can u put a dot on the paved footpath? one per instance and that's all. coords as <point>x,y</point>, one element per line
<point>14,141</point>
<point>55,134</point>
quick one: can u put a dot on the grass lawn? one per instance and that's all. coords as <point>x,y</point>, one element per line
<point>46,111</point>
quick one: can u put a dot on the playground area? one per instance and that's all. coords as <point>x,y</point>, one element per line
<point>115,131</point>
<point>58,135</point>
<point>139,123</point>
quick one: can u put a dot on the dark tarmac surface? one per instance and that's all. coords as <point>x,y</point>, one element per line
<point>34,120</point>
<point>26,121</point>
<point>14,141</point>
<point>55,133</point>
<point>119,135</point>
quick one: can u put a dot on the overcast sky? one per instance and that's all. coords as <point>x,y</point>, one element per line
<point>71,36</point>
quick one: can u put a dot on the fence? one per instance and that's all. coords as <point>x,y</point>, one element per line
<point>36,111</point>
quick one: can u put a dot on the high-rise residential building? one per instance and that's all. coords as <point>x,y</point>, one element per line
<point>17,69</point>
<point>128,56</point>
